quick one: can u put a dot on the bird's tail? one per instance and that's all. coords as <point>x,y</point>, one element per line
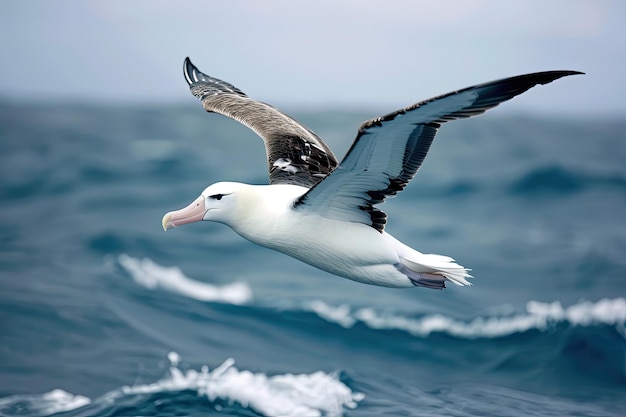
<point>429,270</point>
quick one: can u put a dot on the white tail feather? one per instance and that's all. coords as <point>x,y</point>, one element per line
<point>438,264</point>
<point>434,266</point>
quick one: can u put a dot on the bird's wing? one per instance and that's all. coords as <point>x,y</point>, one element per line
<point>388,150</point>
<point>295,154</point>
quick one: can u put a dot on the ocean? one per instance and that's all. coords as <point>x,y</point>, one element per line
<point>104,314</point>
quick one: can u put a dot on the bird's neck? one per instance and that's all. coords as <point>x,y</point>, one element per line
<point>263,211</point>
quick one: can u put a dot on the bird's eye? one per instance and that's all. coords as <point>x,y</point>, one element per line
<point>217,196</point>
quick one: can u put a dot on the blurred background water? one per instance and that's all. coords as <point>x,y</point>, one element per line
<point>102,313</point>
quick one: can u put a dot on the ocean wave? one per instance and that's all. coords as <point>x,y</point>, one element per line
<point>150,275</point>
<point>287,395</point>
<point>538,316</point>
<point>53,402</point>
<point>560,180</point>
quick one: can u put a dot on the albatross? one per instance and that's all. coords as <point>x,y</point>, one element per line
<point>324,212</point>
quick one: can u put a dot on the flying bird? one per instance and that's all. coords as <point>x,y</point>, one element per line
<point>323,212</point>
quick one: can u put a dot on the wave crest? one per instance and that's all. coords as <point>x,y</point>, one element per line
<point>150,275</point>
<point>287,395</point>
<point>53,402</point>
<point>538,316</point>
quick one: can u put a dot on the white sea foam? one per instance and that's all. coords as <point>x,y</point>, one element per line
<point>538,315</point>
<point>340,315</point>
<point>53,402</point>
<point>151,275</point>
<point>288,395</point>
<point>316,394</point>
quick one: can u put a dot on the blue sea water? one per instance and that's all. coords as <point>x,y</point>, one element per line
<point>104,314</point>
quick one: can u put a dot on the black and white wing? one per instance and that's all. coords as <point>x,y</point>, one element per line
<point>295,154</point>
<point>389,150</point>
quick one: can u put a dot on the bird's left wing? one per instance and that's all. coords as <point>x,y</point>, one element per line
<point>389,150</point>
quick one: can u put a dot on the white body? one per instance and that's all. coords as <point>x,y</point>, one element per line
<point>264,214</point>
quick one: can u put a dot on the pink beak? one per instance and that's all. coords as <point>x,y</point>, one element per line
<point>194,212</point>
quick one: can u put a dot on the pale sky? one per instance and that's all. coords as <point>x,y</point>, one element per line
<point>365,53</point>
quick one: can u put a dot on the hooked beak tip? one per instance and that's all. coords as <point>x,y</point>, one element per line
<point>167,222</point>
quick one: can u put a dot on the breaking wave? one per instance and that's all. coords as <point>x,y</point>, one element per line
<point>537,316</point>
<point>150,275</point>
<point>287,395</point>
<point>53,402</point>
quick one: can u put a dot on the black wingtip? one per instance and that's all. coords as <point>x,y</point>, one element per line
<point>202,84</point>
<point>555,75</point>
<point>192,73</point>
<point>188,71</point>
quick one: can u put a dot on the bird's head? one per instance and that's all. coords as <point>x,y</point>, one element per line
<point>218,203</point>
